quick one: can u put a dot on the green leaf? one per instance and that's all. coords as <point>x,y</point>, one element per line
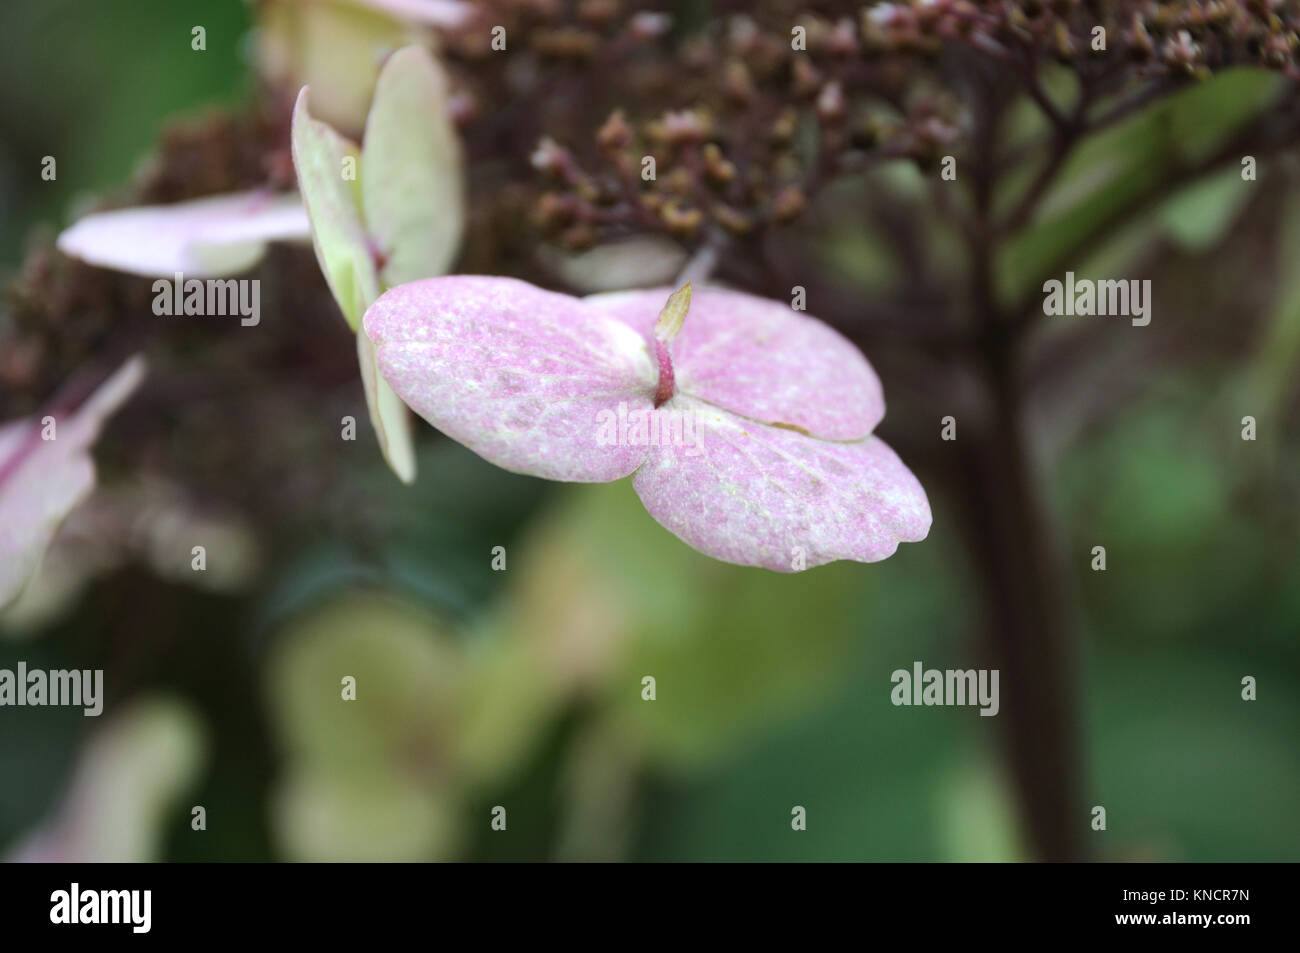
<point>411,173</point>
<point>1119,167</point>
<point>324,817</point>
<point>1272,376</point>
<point>603,598</point>
<point>977,816</point>
<point>407,673</point>
<point>1199,216</point>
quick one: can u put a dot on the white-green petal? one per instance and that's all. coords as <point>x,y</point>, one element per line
<point>320,157</point>
<point>412,180</point>
<point>406,210</point>
<point>444,13</point>
<point>203,238</point>
<point>123,793</point>
<point>388,415</point>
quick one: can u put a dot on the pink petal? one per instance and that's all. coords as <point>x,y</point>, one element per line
<point>521,376</point>
<point>762,359</point>
<point>42,480</point>
<point>759,496</point>
<point>443,13</point>
<point>203,238</point>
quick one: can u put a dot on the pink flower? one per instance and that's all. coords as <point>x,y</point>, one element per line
<point>209,237</point>
<point>46,470</point>
<point>782,470</point>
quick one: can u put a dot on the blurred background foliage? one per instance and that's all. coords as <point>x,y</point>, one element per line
<point>523,688</point>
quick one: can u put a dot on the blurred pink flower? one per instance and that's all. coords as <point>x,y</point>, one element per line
<point>203,238</point>
<point>46,470</point>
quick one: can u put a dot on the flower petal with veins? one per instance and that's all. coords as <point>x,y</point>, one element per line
<point>751,494</point>
<point>517,374</point>
<point>763,360</point>
<point>522,376</point>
